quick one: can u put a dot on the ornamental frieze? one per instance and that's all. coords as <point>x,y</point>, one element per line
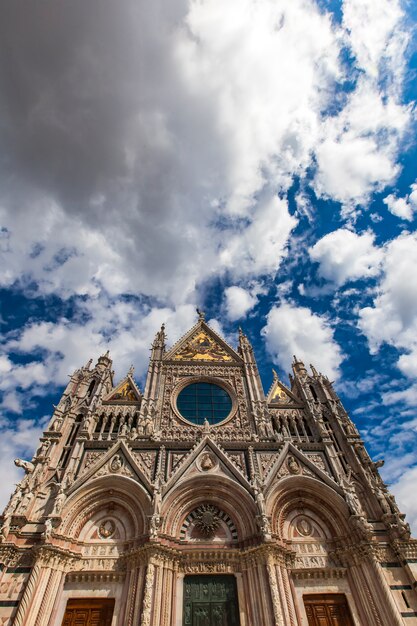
<point>207,568</point>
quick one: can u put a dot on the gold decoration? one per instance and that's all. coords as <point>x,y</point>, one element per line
<point>125,393</point>
<point>279,395</point>
<point>202,348</point>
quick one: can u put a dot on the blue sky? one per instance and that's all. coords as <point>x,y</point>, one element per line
<point>252,159</point>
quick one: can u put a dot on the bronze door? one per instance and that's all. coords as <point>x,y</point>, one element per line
<point>329,609</point>
<point>89,612</point>
<point>210,601</point>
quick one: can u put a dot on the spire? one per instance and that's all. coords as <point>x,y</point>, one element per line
<point>104,360</point>
<point>314,371</point>
<point>298,366</point>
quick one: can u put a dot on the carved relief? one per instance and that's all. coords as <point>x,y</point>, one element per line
<point>319,462</point>
<point>206,462</point>
<point>293,465</point>
<point>146,462</point>
<point>238,458</point>
<point>116,463</point>
<point>265,462</point>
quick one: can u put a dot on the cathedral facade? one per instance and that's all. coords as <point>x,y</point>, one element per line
<point>203,501</point>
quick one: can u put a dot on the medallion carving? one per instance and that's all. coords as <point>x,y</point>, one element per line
<point>116,463</point>
<point>207,461</point>
<point>106,529</point>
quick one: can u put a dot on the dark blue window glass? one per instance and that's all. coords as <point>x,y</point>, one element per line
<point>204,401</point>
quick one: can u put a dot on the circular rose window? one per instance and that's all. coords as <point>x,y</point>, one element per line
<point>204,401</point>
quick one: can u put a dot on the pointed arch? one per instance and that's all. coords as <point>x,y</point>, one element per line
<point>303,491</point>
<point>229,496</point>
<point>129,498</point>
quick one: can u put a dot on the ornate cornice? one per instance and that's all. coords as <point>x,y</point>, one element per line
<point>334,572</point>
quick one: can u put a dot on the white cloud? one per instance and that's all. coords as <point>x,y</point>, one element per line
<point>16,441</point>
<point>125,328</point>
<point>178,160</point>
<point>359,149</point>
<point>297,330</point>
<point>407,396</point>
<point>376,36</point>
<point>344,255</point>
<point>403,207</point>
<point>129,184</point>
<point>404,491</point>
<point>238,302</point>
<point>393,317</point>
<point>259,247</point>
<point>358,153</point>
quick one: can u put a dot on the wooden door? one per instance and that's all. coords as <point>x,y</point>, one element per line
<point>89,612</point>
<point>330,609</point>
<point>210,601</point>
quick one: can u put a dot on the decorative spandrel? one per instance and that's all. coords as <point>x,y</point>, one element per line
<point>202,347</point>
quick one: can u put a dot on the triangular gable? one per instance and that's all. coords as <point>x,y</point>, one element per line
<point>225,465</point>
<point>202,343</point>
<point>280,395</point>
<point>292,462</point>
<point>117,461</point>
<point>126,391</point>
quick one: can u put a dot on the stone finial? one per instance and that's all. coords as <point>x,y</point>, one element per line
<point>314,371</point>
<point>201,315</point>
<point>131,371</point>
<point>160,337</point>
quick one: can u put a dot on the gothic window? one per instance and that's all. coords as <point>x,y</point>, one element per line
<point>202,401</point>
<point>91,388</point>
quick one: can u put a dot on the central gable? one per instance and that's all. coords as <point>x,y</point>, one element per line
<point>201,343</point>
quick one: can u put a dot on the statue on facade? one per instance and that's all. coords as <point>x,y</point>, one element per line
<point>14,501</point>
<point>352,499</point>
<point>43,449</point>
<point>5,528</point>
<point>154,525</point>
<point>48,529</point>
<point>59,502</point>
<point>27,497</point>
<point>157,497</point>
<point>148,427</point>
<point>56,424</point>
<point>259,498</point>
<point>133,434</point>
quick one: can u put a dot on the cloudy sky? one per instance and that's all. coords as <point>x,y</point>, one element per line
<point>254,158</point>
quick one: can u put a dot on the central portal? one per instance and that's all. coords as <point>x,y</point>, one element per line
<point>210,601</point>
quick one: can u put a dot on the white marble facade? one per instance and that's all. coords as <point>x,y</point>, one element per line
<point>127,497</point>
